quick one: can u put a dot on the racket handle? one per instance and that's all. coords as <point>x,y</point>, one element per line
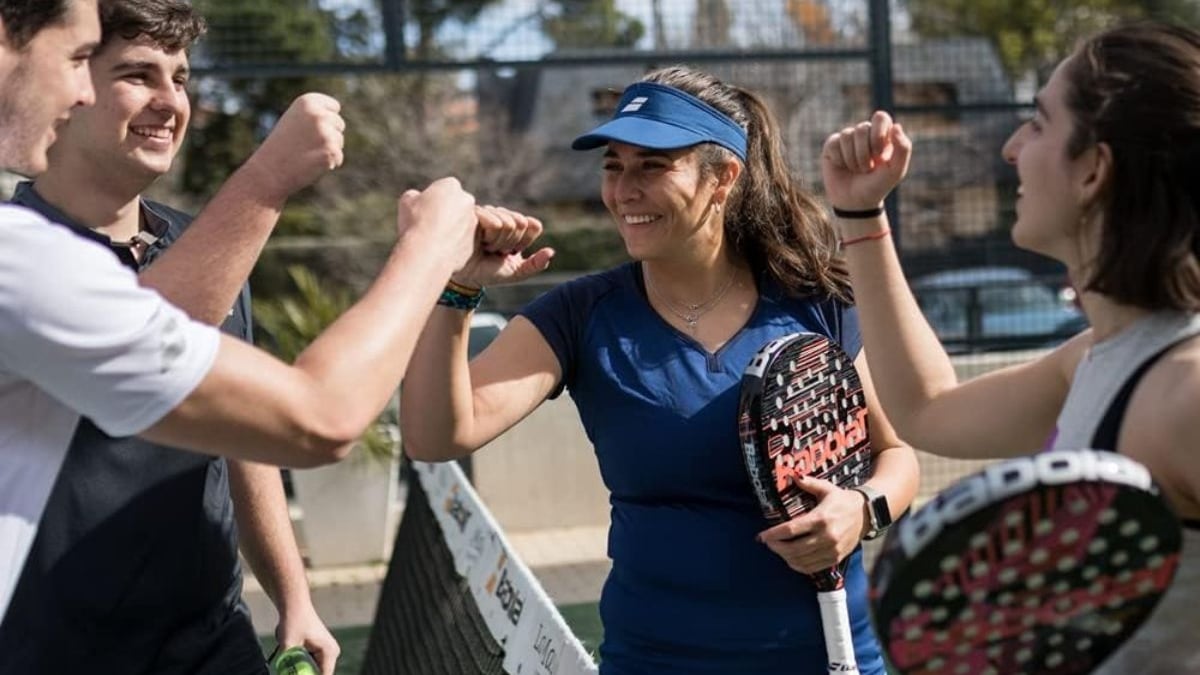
<point>835,622</point>
<point>294,661</point>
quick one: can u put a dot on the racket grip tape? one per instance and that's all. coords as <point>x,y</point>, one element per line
<point>835,622</point>
<point>294,661</point>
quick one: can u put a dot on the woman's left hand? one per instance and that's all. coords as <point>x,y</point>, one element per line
<point>502,240</point>
<point>821,538</point>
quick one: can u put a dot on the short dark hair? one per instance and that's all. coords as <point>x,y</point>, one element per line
<point>169,24</point>
<point>1136,88</point>
<point>23,19</point>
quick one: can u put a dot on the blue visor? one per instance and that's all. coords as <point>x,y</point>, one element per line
<point>664,118</point>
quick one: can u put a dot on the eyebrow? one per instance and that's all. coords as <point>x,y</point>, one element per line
<point>1041,107</point>
<point>126,66</point>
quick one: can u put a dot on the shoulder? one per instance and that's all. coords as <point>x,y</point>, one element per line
<point>584,292</point>
<point>602,283</point>
<point>1174,384</point>
<point>822,313</point>
<point>1163,427</point>
<point>23,224</point>
<point>1064,359</point>
<point>39,257</point>
<point>815,302</point>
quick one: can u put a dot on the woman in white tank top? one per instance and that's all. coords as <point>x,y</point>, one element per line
<point>1109,170</point>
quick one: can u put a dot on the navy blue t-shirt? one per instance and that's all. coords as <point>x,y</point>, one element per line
<point>691,590</point>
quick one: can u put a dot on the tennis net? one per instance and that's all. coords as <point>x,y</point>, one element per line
<point>457,600</point>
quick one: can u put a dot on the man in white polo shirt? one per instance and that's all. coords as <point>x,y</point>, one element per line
<point>80,337</point>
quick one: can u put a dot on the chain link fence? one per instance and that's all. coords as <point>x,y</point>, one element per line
<point>510,82</point>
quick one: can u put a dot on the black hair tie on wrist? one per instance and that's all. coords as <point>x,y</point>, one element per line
<point>865,213</point>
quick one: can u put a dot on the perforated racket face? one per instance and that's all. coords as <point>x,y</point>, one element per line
<point>802,412</point>
<point>1042,564</point>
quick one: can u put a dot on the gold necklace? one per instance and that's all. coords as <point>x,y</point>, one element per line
<point>691,313</point>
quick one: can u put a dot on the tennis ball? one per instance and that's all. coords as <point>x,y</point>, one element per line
<point>295,661</point>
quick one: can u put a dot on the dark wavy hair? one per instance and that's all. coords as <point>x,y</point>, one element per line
<point>772,221</point>
<point>171,25</point>
<point>24,19</point>
<point>1136,88</point>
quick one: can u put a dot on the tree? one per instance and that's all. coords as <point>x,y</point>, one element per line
<point>712,24</point>
<point>430,15</point>
<point>592,23</point>
<point>233,113</point>
<point>812,18</point>
<point>1035,34</point>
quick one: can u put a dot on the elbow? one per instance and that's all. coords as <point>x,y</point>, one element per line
<point>328,443</point>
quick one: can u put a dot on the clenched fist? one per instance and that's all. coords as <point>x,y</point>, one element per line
<point>442,217</point>
<point>306,143</point>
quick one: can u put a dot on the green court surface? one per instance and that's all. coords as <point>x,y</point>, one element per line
<point>583,619</point>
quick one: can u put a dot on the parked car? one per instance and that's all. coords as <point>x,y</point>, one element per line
<point>990,308</point>
<point>485,326</point>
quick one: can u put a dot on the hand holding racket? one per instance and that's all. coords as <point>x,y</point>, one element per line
<point>802,415</point>
<point>1039,564</point>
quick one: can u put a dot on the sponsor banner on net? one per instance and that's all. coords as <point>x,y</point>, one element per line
<point>514,607</point>
<point>544,646</point>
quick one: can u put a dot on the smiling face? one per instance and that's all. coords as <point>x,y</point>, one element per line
<point>1054,187</point>
<point>42,83</point>
<point>664,204</point>
<point>141,114</point>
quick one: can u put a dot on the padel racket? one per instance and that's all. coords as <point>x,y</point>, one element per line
<point>1040,564</point>
<point>802,412</point>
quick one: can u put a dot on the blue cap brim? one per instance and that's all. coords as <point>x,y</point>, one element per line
<point>639,131</point>
<point>655,116</point>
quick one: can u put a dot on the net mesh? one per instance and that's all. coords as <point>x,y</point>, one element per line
<point>456,600</point>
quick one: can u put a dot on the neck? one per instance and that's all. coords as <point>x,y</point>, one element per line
<point>692,280</point>
<point>1107,316</point>
<point>99,204</point>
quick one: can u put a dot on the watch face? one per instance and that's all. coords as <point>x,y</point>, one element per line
<point>882,514</point>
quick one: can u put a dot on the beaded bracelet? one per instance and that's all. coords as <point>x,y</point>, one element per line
<point>458,296</point>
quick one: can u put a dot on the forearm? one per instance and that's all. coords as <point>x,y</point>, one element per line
<point>362,356</point>
<point>897,475</point>
<point>910,366</point>
<point>265,534</point>
<point>204,271</point>
<point>436,418</point>
<point>312,413</point>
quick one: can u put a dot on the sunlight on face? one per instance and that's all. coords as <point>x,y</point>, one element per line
<point>42,83</point>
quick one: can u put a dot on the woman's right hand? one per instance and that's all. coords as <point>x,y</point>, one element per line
<point>501,241</point>
<point>862,163</point>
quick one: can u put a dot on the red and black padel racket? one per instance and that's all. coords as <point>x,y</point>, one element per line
<point>802,412</point>
<point>1039,564</point>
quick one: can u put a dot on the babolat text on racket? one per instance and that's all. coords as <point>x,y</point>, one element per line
<point>1040,564</point>
<point>802,412</point>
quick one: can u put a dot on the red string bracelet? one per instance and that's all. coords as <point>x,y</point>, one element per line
<point>866,237</point>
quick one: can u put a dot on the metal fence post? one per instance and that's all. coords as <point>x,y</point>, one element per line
<point>883,88</point>
<point>393,33</point>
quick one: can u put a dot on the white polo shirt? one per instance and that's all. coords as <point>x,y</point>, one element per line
<point>78,337</point>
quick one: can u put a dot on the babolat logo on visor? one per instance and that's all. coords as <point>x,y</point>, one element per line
<point>635,105</point>
<point>658,117</point>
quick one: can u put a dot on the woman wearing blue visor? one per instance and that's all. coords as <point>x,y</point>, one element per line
<point>728,253</point>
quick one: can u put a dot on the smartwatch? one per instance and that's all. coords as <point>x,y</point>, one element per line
<point>878,512</point>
